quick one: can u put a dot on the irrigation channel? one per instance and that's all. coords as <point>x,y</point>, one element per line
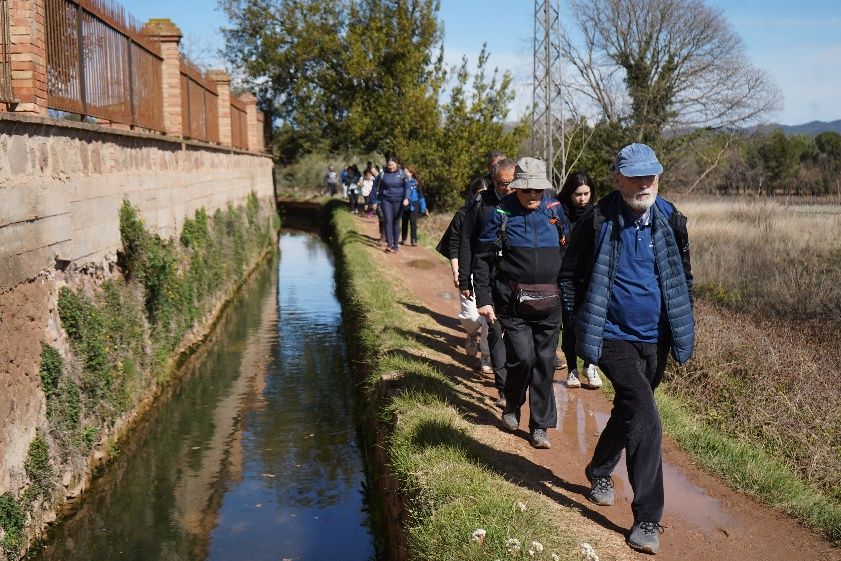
<point>254,453</point>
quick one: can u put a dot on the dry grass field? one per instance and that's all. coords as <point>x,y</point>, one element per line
<point>768,279</point>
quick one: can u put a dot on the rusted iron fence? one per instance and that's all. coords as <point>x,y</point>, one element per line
<point>5,60</point>
<point>199,105</point>
<point>239,124</point>
<point>99,64</point>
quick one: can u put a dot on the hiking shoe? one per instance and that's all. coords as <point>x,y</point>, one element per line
<point>501,401</point>
<point>572,379</point>
<point>471,347</point>
<point>509,419</point>
<point>539,439</point>
<point>414,243</point>
<point>485,366</point>
<point>643,536</point>
<point>560,364</point>
<point>601,490</point>
<point>593,379</point>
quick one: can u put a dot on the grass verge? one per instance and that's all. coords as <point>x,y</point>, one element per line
<point>459,506</point>
<point>750,469</point>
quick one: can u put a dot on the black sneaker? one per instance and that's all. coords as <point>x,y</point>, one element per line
<point>539,439</point>
<point>643,537</point>
<point>601,491</point>
<point>501,401</point>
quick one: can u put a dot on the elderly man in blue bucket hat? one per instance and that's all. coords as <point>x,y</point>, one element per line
<point>626,278</point>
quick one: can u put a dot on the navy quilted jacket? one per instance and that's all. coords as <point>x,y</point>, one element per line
<point>590,264</point>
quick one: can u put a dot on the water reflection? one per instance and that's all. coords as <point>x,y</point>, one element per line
<point>254,454</point>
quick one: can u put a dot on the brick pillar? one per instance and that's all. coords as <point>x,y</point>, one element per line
<point>223,89</point>
<point>169,36</point>
<point>254,128</point>
<point>261,131</point>
<point>28,55</point>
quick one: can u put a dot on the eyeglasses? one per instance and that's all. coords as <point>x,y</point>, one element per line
<point>531,191</point>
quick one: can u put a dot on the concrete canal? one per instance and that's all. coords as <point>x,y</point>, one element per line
<point>254,454</point>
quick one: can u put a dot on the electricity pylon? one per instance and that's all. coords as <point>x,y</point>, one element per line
<point>548,117</point>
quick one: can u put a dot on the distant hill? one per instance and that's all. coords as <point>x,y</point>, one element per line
<point>810,129</point>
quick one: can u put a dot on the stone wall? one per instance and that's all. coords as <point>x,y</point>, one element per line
<point>62,186</point>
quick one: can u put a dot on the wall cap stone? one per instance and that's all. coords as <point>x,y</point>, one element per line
<point>106,131</point>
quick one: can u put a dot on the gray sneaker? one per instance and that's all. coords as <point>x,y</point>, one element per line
<point>643,536</point>
<point>539,439</point>
<point>510,420</point>
<point>601,491</point>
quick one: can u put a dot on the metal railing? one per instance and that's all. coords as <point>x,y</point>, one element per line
<point>6,94</point>
<point>99,64</point>
<point>199,105</point>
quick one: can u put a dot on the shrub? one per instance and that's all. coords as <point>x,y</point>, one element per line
<point>52,366</point>
<point>12,520</point>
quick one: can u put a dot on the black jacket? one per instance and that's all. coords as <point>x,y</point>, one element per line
<point>474,219</point>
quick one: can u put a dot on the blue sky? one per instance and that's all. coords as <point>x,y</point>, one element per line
<point>797,43</point>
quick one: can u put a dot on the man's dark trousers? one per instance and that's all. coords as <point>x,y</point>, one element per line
<point>635,370</point>
<point>530,346</point>
<point>496,346</point>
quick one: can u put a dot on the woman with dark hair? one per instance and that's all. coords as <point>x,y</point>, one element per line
<point>391,192</point>
<point>576,196</point>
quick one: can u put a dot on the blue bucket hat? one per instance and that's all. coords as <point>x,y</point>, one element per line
<point>637,160</point>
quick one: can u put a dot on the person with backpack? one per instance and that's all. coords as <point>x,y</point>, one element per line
<point>353,179</point>
<point>392,196</point>
<point>417,205</point>
<point>331,180</point>
<point>576,196</point>
<point>516,276</point>
<point>486,201</point>
<point>627,281</point>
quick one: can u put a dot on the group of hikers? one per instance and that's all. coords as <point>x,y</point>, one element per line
<point>393,193</point>
<point>614,274</point>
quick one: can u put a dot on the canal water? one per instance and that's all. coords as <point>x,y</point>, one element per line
<point>254,454</point>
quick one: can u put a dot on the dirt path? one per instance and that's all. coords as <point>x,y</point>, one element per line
<point>705,519</point>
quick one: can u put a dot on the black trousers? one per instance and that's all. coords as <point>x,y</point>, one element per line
<point>635,370</point>
<point>530,346</point>
<point>496,346</point>
<point>409,217</point>
<point>568,343</point>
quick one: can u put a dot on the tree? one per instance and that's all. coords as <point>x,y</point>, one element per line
<point>367,76</point>
<point>654,64</point>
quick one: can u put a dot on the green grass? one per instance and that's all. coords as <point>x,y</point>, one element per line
<point>750,469</point>
<point>444,472</point>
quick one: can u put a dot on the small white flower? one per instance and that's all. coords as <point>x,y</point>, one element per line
<point>537,547</point>
<point>587,552</point>
<point>556,557</point>
<point>521,506</point>
<point>478,535</point>
<point>513,545</point>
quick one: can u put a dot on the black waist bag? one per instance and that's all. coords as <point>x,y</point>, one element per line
<point>535,300</point>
